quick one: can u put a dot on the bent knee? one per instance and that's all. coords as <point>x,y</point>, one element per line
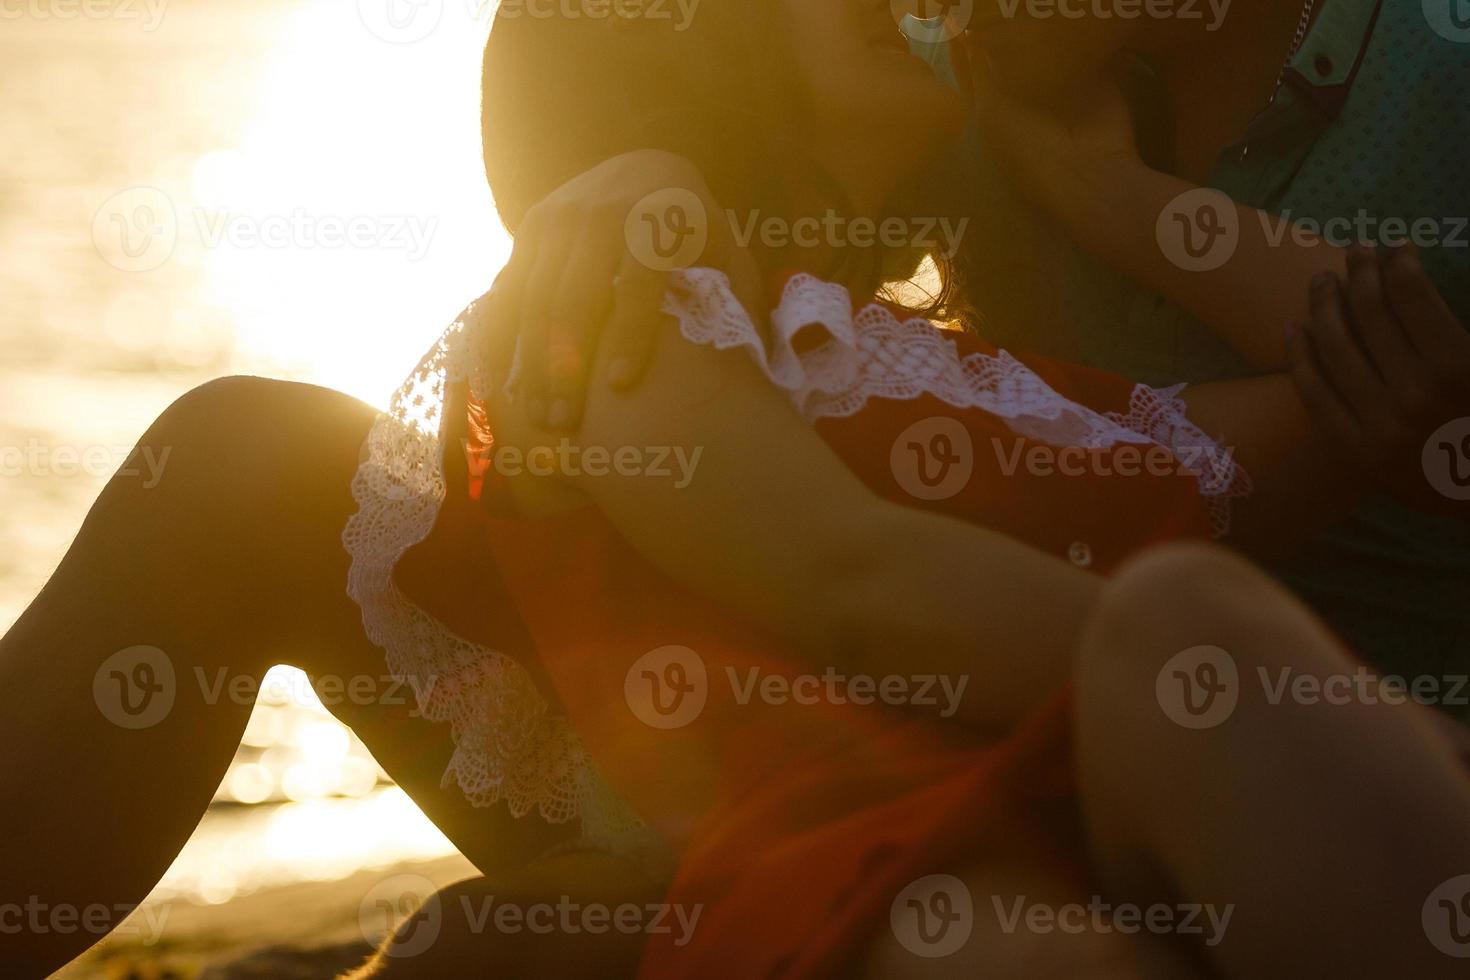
<point>240,475</point>
<point>1192,575</point>
<point>1179,598</point>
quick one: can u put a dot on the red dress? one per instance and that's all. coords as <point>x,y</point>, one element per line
<point>796,827</point>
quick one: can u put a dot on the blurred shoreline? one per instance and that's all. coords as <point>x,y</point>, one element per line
<point>153,149</point>
<point>310,930</point>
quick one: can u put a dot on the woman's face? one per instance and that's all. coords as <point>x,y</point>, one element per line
<point>865,88</point>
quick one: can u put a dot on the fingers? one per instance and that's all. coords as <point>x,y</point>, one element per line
<point>630,333</point>
<point>1325,407</point>
<point>1428,323</point>
<point>1341,360</point>
<point>1377,326</point>
<point>498,340</point>
<point>536,324</point>
<point>580,304</point>
<point>503,303</point>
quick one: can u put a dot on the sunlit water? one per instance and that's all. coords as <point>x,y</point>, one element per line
<point>193,188</point>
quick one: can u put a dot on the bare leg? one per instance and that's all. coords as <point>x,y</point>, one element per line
<point>1325,826</point>
<point>232,563</point>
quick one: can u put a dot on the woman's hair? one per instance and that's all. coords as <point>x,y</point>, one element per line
<point>561,95</point>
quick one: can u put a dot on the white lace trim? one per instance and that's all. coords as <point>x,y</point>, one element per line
<point>507,745</point>
<point>873,354</point>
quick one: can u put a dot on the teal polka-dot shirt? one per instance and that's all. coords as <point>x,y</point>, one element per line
<point>1372,125</point>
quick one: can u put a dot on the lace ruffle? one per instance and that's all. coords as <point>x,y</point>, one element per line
<point>508,746</point>
<point>873,354</point>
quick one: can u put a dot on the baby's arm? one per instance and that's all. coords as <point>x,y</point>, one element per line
<point>1242,272</point>
<point>1145,224</point>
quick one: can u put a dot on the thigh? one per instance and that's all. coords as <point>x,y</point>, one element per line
<point>1321,823</point>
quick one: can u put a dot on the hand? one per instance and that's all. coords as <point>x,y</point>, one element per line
<point>1383,365</point>
<point>572,284</point>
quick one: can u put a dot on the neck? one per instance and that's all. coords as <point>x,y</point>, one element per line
<point>1220,80</point>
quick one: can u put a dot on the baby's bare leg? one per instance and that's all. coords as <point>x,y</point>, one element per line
<point>117,717</point>
<point>1325,827</point>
